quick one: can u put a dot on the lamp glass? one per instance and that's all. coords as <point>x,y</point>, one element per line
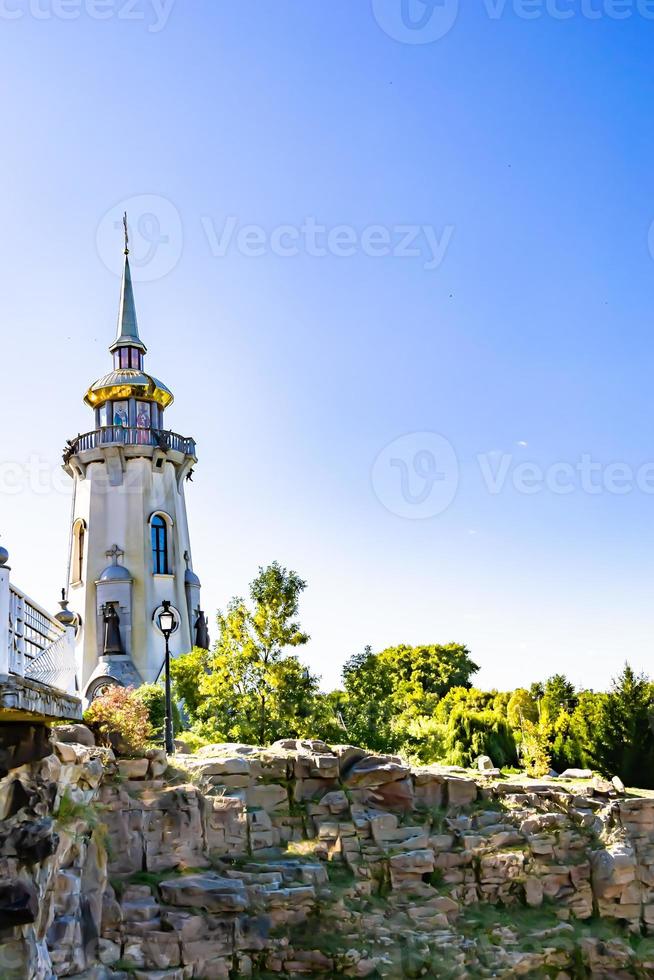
<point>166,622</point>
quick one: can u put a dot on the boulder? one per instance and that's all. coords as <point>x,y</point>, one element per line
<point>79,734</point>
<point>226,748</point>
<point>461,792</point>
<point>205,891</point>
<point>612,868</point>
<point>348,755</point>
<point>133,768</point>
<point>618,785</point>
<point>577,774</point>
<point>18,904</point>
<point>375,770</point>
<point>158,762</point>
<point>484,762</point>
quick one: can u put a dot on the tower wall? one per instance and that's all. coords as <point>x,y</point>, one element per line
<point>126,471</point>
<point>119,514</point>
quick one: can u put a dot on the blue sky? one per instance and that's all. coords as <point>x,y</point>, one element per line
<point>514,155</point>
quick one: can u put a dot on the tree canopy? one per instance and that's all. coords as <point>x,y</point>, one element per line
<point>416,700</point>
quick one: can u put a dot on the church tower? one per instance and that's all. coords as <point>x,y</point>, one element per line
<point>130,547</point>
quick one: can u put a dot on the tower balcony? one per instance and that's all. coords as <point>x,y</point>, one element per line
<point>119,435</point>
<point>116,443</point>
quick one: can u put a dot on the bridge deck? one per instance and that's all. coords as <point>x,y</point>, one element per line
<point>23,699</point>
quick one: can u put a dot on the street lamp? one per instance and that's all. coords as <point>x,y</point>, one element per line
<point>167,625</point>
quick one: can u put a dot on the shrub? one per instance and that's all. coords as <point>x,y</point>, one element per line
<point>120,720</point>
<point>153,696</point>
<point>193,741</point>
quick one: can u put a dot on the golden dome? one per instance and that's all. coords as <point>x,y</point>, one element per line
<point>128,383</point>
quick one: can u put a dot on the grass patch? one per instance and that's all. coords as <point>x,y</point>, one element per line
<point>302,848</point>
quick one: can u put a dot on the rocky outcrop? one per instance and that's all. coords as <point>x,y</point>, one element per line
<point>305,859</point>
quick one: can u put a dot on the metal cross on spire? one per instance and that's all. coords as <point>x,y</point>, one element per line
<point>126,233</point>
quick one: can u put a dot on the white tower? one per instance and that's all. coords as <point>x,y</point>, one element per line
<point>130,545</point>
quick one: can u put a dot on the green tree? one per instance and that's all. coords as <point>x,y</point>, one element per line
<point>534,749</point>
<point>622,742</point>
<point>249,688</point>
<point>559,695</point>
<point>521,708</point>
<point>470,734</point>
<point>153,696</point>
<point>367,708</point>
<point>385,693</point>
<point>188,672</point>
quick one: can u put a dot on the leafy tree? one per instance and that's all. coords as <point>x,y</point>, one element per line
<point>386,692</point>
<point>249,688</point>
<point>367,708</point>
<point>188,672</point>
<point>470,734</point>
<point>534,749</point>
<point>153,696</point>
<point>559,695</point>
<point>622,742</point>
<point>235,690</point>
<point>521,708</point>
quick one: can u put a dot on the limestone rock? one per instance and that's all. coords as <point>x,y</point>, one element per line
<point>209,892</point>
<point>76,734</point>
<point>18,903</point>
<point>460,792</point>
<point>375,770</point>
<point>158,762</point>
<point>133,768</point>
<point>618,785</point>
<point>314,866</point>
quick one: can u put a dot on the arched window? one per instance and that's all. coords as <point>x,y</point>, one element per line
<point>79,536</point>
<point>159,528</point>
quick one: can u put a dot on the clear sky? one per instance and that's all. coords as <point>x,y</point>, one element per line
<point>354,406</point>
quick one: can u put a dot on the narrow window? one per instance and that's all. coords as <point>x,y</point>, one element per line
<point>159,545</point>
<point>77,562</point>
<point>81,534</point>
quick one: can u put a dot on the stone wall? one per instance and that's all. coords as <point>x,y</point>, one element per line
<point>305,859</point>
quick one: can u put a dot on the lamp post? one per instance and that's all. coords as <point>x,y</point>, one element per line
<point>167,625</point>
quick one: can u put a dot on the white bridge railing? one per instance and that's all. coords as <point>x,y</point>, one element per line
<point>33,644</point>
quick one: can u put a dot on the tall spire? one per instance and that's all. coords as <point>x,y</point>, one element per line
<point>127,334</point>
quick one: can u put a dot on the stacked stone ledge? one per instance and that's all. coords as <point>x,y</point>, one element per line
<point>305,859</point>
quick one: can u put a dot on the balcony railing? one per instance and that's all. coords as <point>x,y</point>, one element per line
<point>118,435</point>
<point>36,645</point>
